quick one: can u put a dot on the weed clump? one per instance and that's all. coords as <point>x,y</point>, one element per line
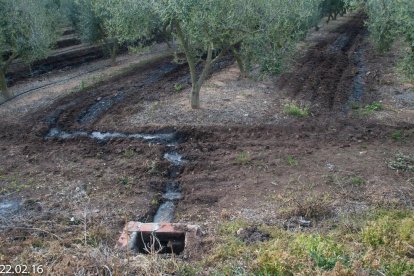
<point>382,244</point>
<point>293,109</point>
<point>178,87</point>
<point>243,158</point>
<point>292,161</point>
<point>397,135</point>
<point>402,162</point>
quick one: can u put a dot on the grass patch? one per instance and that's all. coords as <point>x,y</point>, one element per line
<point>292,161</point>
<point>402,162</point>
<point>295,110</point>
<point>124,181</point>
<point>12,184</point>
<point>397,135</point>
<point>368,109</point>
<point>128,153</point>
<point>243,158</point>
<point>357,181</point>
<point>178,87</point>
<point>406,66</point>
<point>380,245</point>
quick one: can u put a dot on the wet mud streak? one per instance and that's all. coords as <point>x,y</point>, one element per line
<point>359,79</point>
<point>172,194</point>
<point>99,108</point>
<point>161,138</point>
<point>93,112</point>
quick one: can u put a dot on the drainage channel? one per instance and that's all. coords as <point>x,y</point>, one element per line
<point>162,138</point>
<point>160,236</point>
<point>358,82</point>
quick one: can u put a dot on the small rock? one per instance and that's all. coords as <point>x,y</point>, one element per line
<point>98,99</point>
<point>304,223</point>
<point>330,166</point>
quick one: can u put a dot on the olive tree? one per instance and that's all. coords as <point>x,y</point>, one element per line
<point>255,31</point>
<point>390,21</point>
<point>91,22</point>
<point>27,31</point>
<point>206,30</point>
<point>279,25</point>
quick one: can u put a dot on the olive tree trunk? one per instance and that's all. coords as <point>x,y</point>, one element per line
<point>3,85</point>
<point>114,53</point>
<point>197,82</point>
<point>240,63</point>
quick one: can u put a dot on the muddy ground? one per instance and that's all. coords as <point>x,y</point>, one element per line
<point>267,167</point>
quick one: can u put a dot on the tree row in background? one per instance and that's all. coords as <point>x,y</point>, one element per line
<point>27,31</point>
<point>260,34</point>
<point>391,21</point>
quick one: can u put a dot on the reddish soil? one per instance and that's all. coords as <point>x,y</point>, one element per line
<point>318,168</point>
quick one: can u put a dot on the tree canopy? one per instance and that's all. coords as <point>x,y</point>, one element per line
<point>256,31</point>
<point>390,21</point>
<point>27,31</point>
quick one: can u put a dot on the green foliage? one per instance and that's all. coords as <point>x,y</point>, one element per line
<point>397,135</point>
<point>178,87</point>
<point>333,8</point>
<point>388,228</point>
<point>324,252</point>
<point>128,153</point>
<point>402,162</point>
<point>127,20</point>
<point>368,109</point>
<point>69,11</point>
<point>357,181</point>
<point>89,22</point>
<point>25,29</point>
<point>381,242</point>
<point>124,181</point>
<point>375,106</point>
<point>257,31</point>
<point>292,161</point>
<point>397,268</point>
<point>407,65</point>
<point>390,21</point>
<point>296,110</point>
<point>276,26</point>
<point>243,158</point>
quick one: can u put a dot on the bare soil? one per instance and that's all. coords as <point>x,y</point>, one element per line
<point>246,158</point>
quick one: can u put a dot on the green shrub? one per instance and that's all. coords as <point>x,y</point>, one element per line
<point>296,110</point>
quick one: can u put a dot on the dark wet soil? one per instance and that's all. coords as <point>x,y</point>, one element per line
<point>328,70</point>
<point>252,235</point>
